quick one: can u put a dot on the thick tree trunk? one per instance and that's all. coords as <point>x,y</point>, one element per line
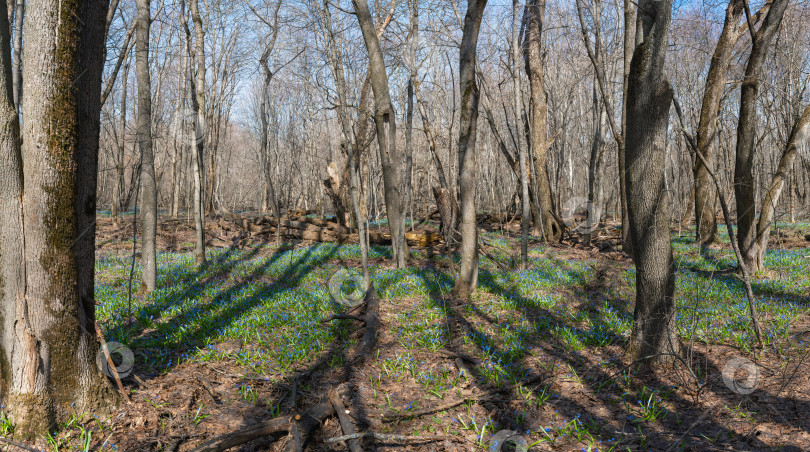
<point>49,349</point>
<point>384,119</point>
<point>148,182</point>
<point>705,198</point>
<point>468,123</point>
<point>649,98</point>
<point>12,250</point>
<point>551,229</point>
<point>745,188</point>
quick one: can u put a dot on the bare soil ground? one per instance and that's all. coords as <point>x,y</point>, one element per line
<point>588,399</point>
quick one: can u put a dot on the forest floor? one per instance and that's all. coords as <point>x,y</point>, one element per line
<point>219,347</point>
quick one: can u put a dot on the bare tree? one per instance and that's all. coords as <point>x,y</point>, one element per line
<point>384,118</point>
<point>535,9</point>
<point>705,194</point>
<point>198,108</point>
<point>268,191</point>
<point>147,170</point>
<point>336,63</point>
<point>524,170</point>
<point>649,98</point>
<point>468,276</point>
<point>744,172</point>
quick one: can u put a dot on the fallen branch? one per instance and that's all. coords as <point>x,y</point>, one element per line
<point>488,395</point>
<point>111,363</point>
<point>345,422</point>
<point>385,438</point>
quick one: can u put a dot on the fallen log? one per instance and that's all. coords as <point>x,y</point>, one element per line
<point>345,422</point>
<point>319,230</point>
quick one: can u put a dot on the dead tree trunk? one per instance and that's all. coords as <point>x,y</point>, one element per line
<point>468,275</point>
<point>649,97</point>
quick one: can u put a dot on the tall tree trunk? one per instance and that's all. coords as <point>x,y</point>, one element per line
<point>597,140</point>
<point>524,172</point>
<point>118,186</point>
<point>198,109</point>
<point>16,63</point>
<point>745,188</point>
<point>148,182</point>
<point>385,121</point>
<point>336,63</point>
<point>468,275</point>
<point>413,37</point>
<point>705,193</point>
<point>49,349</point>
<point>649,97</point>
<point>12,250</point>
<point>552,231</point>
<point>630,32</point>
<point>268,192</point>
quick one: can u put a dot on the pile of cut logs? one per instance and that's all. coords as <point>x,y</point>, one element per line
<point>297,225</point>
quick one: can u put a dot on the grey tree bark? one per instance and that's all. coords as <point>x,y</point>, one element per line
<point>468,124</point>
<point>551,229</point>
<point>336,63</point>
<point>198,109</point>
<point>705,193</point>
<point>48,350</point>
<point>268,191</point>
<point>16,62</point>
<point>118,186</point>
<point>649,98</point>
<point>745,187</point>
<point>384,119</point>
<point>147,170</point>
<point>522,161</point>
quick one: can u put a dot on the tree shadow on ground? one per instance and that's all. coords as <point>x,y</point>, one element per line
<point>686,426</point>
